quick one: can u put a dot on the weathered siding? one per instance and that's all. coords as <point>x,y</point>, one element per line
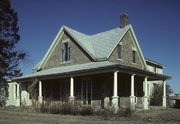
<point>78,56</point>
<point>127,56</point>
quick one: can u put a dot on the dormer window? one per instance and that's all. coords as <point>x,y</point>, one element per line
<point>119,52</point>
<point>66,52</point>
<point>134,56</point>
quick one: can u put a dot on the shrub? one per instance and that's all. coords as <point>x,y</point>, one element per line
<point>78,109</point>
<point>156,98</point>
<point>60,108</point>
<point>86,110</point>
<point>3,96</point>
<point>126,112</point>
<point>105,113</point>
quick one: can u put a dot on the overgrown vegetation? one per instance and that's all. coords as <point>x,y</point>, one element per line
<point>32,89</point>
<point>156,98</point>
<point>79,109</point>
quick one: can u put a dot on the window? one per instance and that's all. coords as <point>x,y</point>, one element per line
<point>16,91</point>
<point>134,56</point>
<point>66,53</point>
<point>154,69</point>
<point>120,52</point>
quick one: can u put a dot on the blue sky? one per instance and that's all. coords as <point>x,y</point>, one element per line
<point>156,24</point>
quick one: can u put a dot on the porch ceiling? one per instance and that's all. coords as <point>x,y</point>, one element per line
<point>87,69</point>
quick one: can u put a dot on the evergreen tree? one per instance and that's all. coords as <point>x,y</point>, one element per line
<point>10,57</point>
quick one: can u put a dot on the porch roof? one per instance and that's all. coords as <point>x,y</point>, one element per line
<point>86,69</point>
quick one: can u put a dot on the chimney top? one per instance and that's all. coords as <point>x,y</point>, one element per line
<point>123,20</point>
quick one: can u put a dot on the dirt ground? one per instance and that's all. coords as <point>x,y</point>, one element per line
<point>169,116</point>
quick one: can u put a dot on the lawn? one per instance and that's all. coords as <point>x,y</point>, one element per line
<point>153,116</point>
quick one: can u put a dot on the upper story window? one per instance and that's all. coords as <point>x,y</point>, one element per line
<point>119,51</point>
<point>66,52</point>
<point>134,56</point>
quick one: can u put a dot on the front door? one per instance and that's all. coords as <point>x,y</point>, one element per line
<point>86,91</point>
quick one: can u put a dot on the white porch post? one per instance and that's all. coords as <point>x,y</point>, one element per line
<point>14,91</point>
<point>146,102</point>
<point>40,92</point>
<point>132,97</point>
<point>115,91</point>
<point>17,94</point>
<point>164,94</point>
<point>72,89</point>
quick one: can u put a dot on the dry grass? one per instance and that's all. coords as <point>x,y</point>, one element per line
<point>155,116</point>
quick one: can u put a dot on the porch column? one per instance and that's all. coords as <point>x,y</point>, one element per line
<point>40,92</point>
<point>14,91</point>
<point>145,102</point>
<point>132,97</point>
<point>17,94</point>
<point>115,91</point>
<point>164,94</point>
<point>72,89</point>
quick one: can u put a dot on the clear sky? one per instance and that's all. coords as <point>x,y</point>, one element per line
<point>156,24</point>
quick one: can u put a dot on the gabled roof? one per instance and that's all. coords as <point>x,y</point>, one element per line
<point>98,46</point>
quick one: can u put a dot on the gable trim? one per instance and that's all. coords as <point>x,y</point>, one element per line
<point>133,36</point>
<point>51,48</point>
<point>119,42</point>
<point>53,45</point>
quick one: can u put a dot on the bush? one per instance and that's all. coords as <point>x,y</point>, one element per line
<point>78,109</point>
<point>105,113</point>
<point>126,112</point>
<point>156,98</point>
<point>86,110</point>
<point>3,96</point>
<point>60,108</point>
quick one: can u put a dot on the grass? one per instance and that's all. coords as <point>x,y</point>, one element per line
<point>153,116</point>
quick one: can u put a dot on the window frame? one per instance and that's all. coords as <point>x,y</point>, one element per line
<point>66,52</point>
<point>119,51</point>
<point>134,56</point>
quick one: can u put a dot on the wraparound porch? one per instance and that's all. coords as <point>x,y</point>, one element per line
<point>115,89</point>
<point>102,83</point>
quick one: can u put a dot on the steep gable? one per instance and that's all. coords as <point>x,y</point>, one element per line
<point>54,57</point>
<point>129,44</point>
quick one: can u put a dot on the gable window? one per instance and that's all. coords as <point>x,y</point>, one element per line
<point>119,51</point>
<point>66,52</point>
<point>134,56</point>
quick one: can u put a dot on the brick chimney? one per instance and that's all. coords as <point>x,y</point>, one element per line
<point>123,20</point>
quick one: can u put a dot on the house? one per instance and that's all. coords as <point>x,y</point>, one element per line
<point>104,69</point>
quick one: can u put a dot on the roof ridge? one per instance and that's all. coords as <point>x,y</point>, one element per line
<point>66,27</point>
<point>111,30</point>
